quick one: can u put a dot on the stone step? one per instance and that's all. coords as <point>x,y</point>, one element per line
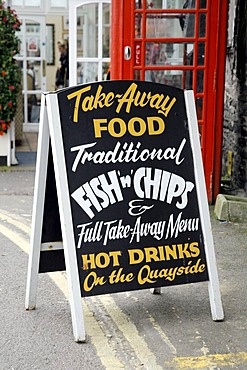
<point>231,208</point>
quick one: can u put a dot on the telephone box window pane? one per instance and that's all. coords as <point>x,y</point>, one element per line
<point>155,54</point>
<point>187,22</point>
<point>203,4</point>
<point>87,72</point>
<point>165,25</point>
<point>138,4</point>
<point>189,54</point>
<point>187,80</point>
<point>89,29</point>
<point>201,54</point>
<point>170,4</point>
<point>202,25</point>
<point>138,25</point>
<point>200,81</point>
<point>137,75</point>
<point>154,4</point>
<point>200,129</point>
<point>172,78</point>
<point>199,108</point>
<point>168,53</point>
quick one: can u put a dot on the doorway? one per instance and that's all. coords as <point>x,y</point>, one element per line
<point>89,40</point>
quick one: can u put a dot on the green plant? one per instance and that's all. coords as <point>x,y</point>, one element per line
<point>10,75</point>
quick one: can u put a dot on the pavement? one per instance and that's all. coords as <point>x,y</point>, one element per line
<point>130,330</point>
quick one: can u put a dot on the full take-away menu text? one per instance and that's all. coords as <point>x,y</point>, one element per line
<point>132,186</point>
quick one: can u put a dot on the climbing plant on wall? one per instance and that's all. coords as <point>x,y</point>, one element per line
<point>10,76</point>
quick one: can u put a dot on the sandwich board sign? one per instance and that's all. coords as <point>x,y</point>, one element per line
<point>120,199</point>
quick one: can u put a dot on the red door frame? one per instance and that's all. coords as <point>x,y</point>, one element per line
<point>123,35</point>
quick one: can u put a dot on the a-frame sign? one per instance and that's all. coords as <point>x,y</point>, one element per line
<point>120,198</point>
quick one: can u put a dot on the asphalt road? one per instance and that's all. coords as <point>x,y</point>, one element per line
<point>131,330</point>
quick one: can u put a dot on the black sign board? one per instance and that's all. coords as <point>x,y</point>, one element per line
<point>132,186</point>
<point>128,193</point>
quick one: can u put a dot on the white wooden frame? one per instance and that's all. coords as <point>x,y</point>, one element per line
<point>50,128</point>
<point>38,208</point>
<point>213,285</point>
<point>66,218</point>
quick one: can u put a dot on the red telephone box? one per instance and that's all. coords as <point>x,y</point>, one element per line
<point>180,43</point>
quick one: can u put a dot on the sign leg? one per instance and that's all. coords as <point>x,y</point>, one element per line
<point>66,219</point>
<point>213,285</point>
<point>38,209</point>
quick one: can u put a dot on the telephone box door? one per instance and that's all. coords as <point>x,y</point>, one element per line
<point>180,43</point>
